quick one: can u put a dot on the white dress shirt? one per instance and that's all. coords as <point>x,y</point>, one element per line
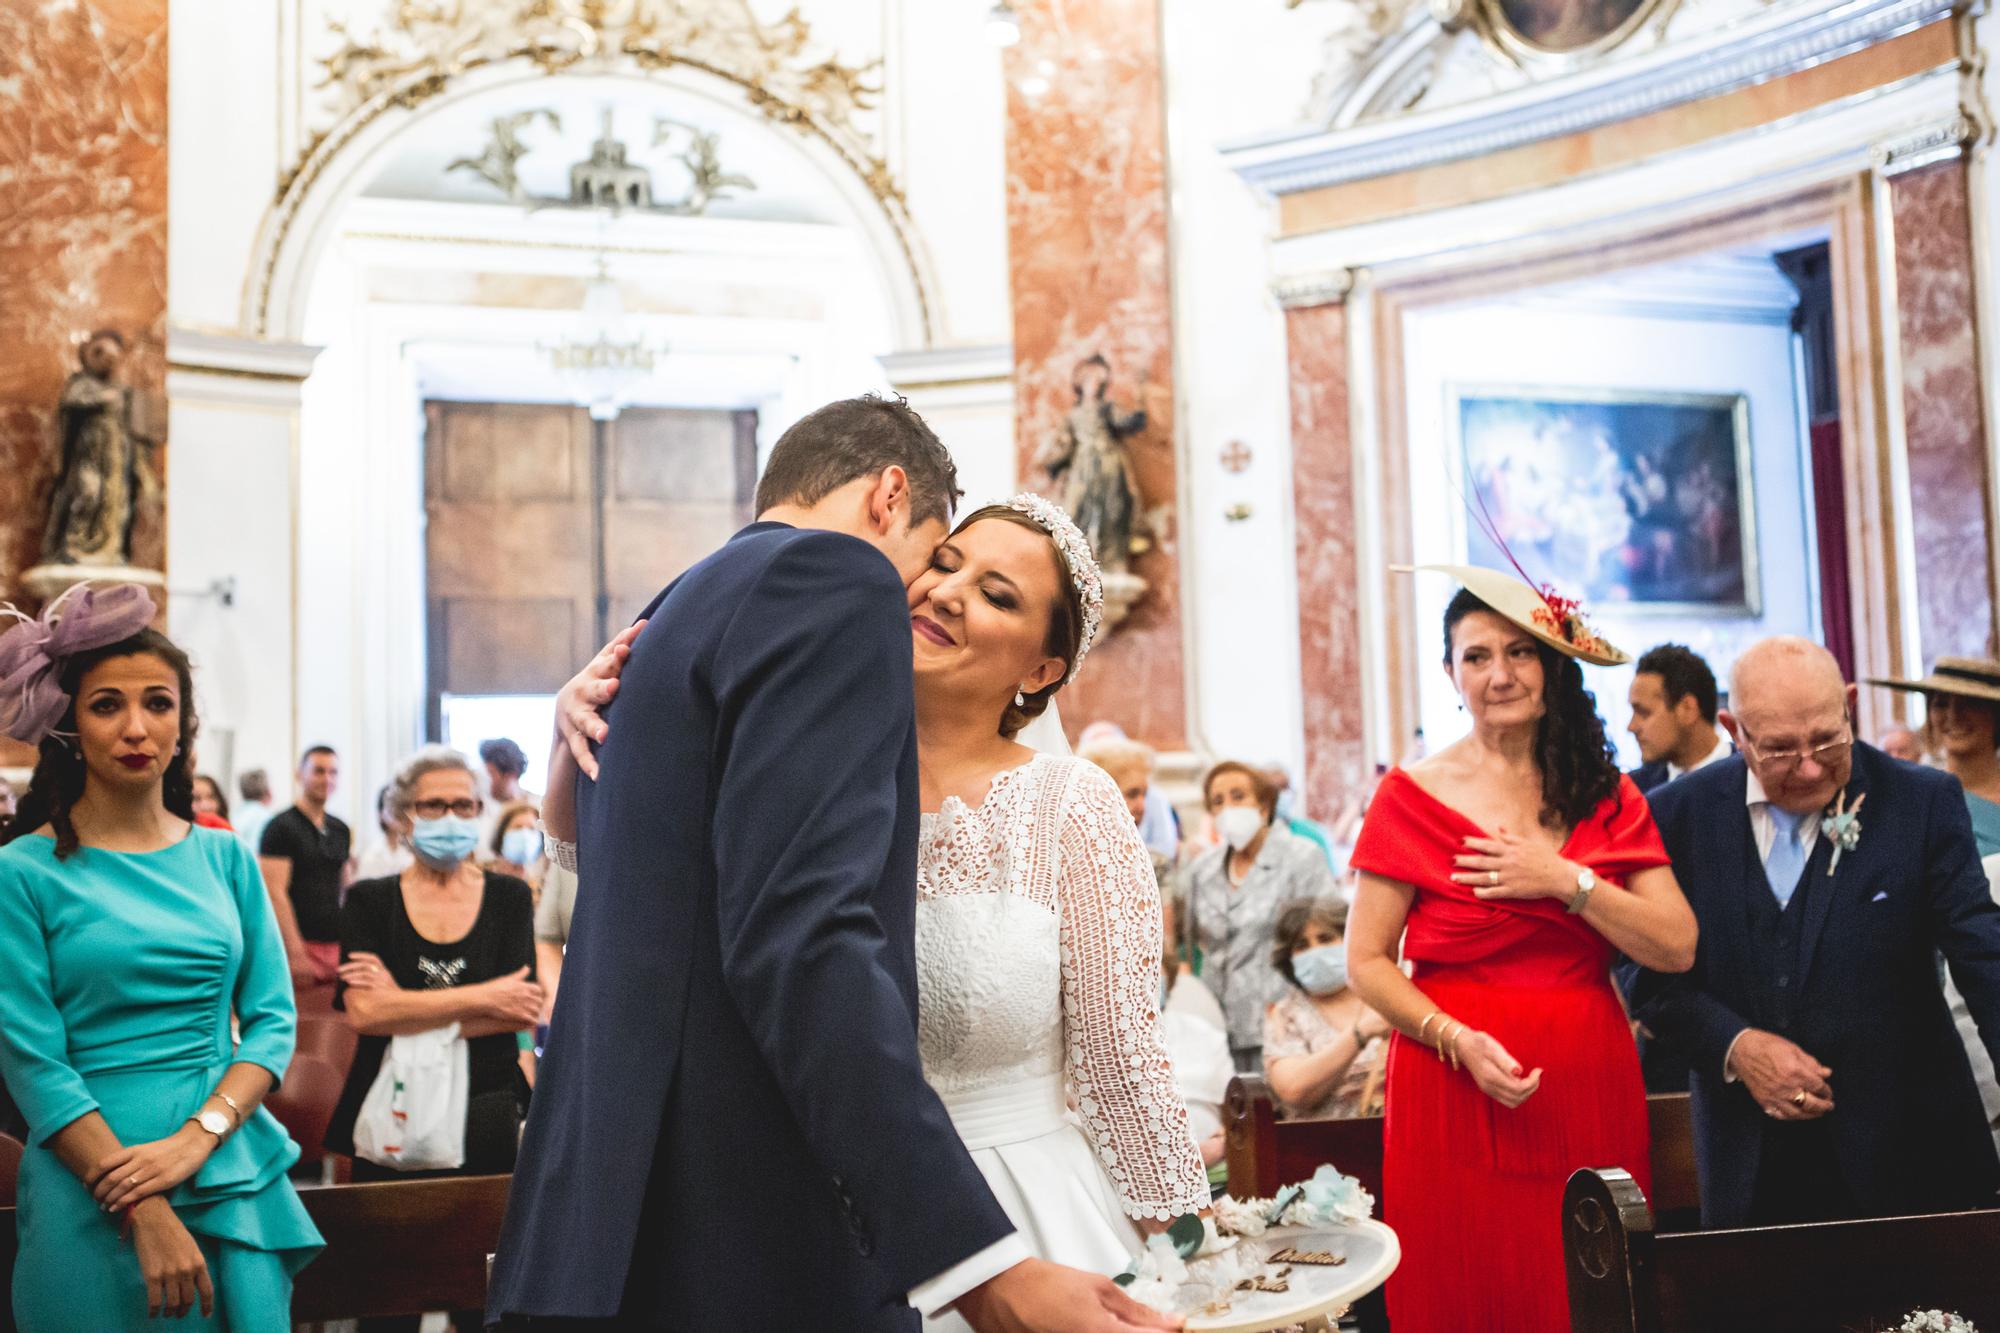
<point>1716,754</point>
<point>1765,830</point>
<point>931,1296</point>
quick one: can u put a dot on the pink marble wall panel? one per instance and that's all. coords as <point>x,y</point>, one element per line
<point>1323,504</point>
<point>1087,232</point>
<point>1942,409</point>
<point>83,233</point>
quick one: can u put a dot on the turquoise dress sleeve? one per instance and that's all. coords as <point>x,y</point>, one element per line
<point>34,1040</point>
<point>266,1016</point>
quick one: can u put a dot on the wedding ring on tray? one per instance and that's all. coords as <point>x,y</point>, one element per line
<point>1286,1277</point>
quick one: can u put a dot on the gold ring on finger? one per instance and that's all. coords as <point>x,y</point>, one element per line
<point>132,1179</point>
<point>1493,879</point>
<point>1799,1098</point>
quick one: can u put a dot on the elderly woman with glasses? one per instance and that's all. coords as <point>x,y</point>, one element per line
<point>443,942</point>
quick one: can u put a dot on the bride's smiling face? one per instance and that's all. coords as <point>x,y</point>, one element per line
<point>980,616</point>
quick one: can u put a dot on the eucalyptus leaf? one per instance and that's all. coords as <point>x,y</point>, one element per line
<point>1126,1278</point>
<point>1282,1202</point>
<point>1187,1233</point>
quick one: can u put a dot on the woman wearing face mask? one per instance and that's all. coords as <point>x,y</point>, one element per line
<point>443,942</point>
<point>516,846</point>
<point>1038,931</point>
<point>1235,892</point>
<point>154,1181</point>
<point>1323,1045</point>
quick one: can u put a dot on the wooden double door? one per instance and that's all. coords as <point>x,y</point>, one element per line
<point>547,531</point>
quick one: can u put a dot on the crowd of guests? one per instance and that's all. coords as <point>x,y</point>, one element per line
<point>1475,963</point>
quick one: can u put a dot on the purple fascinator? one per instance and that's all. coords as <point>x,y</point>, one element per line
<point>32,701</point>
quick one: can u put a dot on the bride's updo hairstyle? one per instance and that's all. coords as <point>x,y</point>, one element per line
<point>1070,624</point>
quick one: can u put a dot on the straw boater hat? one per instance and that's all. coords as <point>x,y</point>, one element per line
<point>1967,677</point>
<point>1554,619</point>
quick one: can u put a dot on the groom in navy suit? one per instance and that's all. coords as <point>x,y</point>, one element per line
<point>731,1129</point>
<point>1828,1079</point>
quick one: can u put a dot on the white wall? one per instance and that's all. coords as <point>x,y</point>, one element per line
<point>1233,70</point>
<point>1527,343</point>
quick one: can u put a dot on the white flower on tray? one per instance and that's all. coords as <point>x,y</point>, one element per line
<point>1935,1321</point>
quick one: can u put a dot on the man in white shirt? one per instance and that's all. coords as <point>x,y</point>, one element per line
<point>1674,707</point>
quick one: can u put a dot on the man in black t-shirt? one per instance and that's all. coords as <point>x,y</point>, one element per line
<point>315,846</point>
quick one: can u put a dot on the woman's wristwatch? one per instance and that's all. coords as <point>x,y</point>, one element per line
<point>1585,882</point>
<point>215,1122</point>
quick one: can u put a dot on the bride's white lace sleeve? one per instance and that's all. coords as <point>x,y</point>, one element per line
<point>1116,1064</point>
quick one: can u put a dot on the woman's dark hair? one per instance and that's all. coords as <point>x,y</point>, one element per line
<point>59,773</point>
<point>221,799</point>
<point>1065,634</point>
<point>1298,917</point>
<point>1579,769</point>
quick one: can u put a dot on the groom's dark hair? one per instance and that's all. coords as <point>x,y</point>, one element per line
<point>858,437</point>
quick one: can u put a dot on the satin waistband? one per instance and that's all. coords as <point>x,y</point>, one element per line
<point>1007,1112</point>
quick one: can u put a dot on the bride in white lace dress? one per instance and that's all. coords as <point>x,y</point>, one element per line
<point>1038,918</point>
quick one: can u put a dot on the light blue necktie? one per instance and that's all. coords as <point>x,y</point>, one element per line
<point>1787,859</point>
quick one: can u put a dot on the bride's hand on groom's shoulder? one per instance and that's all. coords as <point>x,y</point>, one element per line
<point>580,703</point>
<point>1036,1296</point>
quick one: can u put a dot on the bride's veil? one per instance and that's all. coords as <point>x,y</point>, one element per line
<point>1045,733</point>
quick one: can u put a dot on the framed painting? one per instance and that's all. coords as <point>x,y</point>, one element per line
<point>1637,502</point>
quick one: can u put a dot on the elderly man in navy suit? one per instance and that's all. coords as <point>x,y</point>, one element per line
<point>1828,1081</point>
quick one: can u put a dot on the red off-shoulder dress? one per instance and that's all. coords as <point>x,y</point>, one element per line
<point>1473,1189</point>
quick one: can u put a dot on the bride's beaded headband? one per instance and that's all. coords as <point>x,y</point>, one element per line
<point>1077,558</point>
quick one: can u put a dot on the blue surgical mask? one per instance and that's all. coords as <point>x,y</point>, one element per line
<point>1321,971</point>
<point>445,841</point>
<point>521,846</point>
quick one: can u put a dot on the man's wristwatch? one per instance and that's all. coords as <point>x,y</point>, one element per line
<point>215,1122</point>
<point>1585,882</point>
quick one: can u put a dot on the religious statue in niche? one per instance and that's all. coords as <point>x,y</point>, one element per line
<point>1089,460</point>
<point>107,431</point>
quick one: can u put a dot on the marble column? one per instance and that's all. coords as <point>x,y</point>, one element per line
<point>83,164</point>
<point>1087,234</point>
<point>1323,524</point>
<point>1943,420</point>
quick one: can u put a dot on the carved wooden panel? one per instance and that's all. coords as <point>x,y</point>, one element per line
<point>547,531</point>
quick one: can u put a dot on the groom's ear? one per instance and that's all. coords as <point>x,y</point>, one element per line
<point>889,497</point>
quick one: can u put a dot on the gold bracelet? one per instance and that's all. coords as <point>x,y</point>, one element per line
<point>1423,1028</point>
<point>1456,1034</point>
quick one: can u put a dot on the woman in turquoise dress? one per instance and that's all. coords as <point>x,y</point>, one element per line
<point>154,1180</point>
<point>1962,728</point>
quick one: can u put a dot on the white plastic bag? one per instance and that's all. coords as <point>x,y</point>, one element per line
<point>413,1118</point>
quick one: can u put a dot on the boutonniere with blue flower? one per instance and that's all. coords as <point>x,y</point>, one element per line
<point>1842,824</point>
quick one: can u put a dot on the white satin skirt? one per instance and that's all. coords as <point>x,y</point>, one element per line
<point>1045,1174</point>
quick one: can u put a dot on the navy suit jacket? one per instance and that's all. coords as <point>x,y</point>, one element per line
<point>731,1127</point>
<point>1648,776</point>
<point>1908,1127</point>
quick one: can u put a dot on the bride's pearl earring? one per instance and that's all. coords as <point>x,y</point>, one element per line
<point>1020,699</point>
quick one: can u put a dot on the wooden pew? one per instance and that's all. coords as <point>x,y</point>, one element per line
<point>399,1248</point>
<point>1625,1276</point>
<point>1267,1152</point>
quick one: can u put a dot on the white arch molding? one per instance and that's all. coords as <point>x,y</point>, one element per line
<point>306,215</point>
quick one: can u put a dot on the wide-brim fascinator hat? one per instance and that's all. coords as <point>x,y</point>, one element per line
<point>33,649</point>
<point>1552,618</point>
<point>1966,677</point>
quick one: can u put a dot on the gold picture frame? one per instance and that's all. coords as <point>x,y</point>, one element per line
<point>1554,35</point>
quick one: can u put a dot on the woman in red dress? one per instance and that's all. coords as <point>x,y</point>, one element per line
<point>1520,861</point>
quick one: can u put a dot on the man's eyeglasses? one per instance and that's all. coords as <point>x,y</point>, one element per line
<point>1785,761</point>
<point>434,809</point>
